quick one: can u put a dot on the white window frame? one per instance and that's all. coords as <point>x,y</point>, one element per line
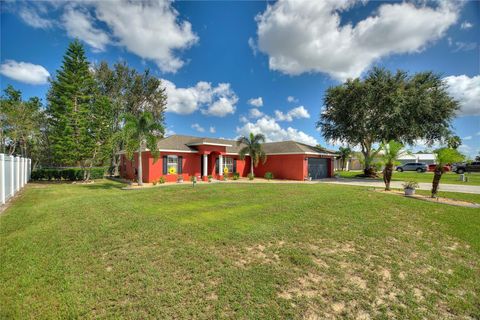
<point>173,163</point>
<point>228,163</point>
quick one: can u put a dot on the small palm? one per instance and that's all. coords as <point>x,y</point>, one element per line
<point>252,147</point>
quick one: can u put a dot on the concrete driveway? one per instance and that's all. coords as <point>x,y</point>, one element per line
<point>398,185</point>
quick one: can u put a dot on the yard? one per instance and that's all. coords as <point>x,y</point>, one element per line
<point>236,251</point>
<point>447,178</point>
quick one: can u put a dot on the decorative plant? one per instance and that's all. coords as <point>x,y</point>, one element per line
<point>236,176</point>
<point>180,178</point>
<point>444,156</point>
<point>412,185</point>
<point>161,180</point>
<point>251,176</point>
<point>268,175</point>
<point>254,148</point>
<point>225,171</point>
<point>210,177</point>
<point>193,179</point>
<point>225,178</point>
<point>172,170</point>
<point>154,182</point>
<point>391,152</point>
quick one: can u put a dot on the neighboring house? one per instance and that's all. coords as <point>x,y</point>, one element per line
<point>428,158</point>
<point>201,157</point>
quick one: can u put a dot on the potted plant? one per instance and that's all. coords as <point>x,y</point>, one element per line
<point>210,177</point>
<point>409,187</point>
<point>250,176</point>
<point>308,178</point>
<point>236,176</point>
<point>193,179</point>
<point>180,178</point>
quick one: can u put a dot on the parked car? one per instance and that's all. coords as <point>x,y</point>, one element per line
<point>467,167</point>
<point>413,166</point>
<point>446,168</point>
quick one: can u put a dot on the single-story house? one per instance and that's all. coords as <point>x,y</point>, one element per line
<point>201,157</point>
<point>428,158</point>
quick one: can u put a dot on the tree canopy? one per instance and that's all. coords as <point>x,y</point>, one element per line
<point>387,106</point>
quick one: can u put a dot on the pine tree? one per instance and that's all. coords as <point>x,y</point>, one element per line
<point>70,100</point>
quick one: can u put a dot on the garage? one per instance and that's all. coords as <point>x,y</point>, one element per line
<point>317,168</point>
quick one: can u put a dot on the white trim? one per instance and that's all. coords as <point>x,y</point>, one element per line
<point>234,154</point>
<point>310,153</point>
<point>178,151</point>
<point>209,144</point>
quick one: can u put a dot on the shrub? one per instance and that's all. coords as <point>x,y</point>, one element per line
<point>251,176</point>
<point>410,185</point>
<point>236,176</point>
<point>155,182</point>
<point>161,180</point>
<point>210,177</point>
<point>268,175</point>
<point>68,174</point>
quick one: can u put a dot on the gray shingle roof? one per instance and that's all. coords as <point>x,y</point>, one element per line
<point>187,143</point>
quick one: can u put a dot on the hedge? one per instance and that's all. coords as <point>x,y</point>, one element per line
<point>70,174</point>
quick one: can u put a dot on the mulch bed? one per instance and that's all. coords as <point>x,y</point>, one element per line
<point>442,200</point>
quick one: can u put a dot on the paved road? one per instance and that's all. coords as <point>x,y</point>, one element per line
<point>398,185</point>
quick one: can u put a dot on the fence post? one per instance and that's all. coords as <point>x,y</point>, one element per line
<point>25,171</point>
<point>12,175</point>
<point>21,172</point>
<point>17,173</point>
<point>2,178</point>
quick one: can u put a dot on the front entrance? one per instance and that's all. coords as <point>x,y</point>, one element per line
<point>317,168</point>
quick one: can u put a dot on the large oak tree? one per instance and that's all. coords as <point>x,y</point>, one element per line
<point>387,106</point>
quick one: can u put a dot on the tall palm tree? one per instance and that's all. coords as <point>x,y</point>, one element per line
<point>392,150</point>
<point>253,147</point>
<point>344,154</point>
<point>443,157</point>
<point>140,132</point>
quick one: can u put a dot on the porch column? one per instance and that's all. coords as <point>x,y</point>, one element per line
<point>220,164</point>
<point>205,165</point>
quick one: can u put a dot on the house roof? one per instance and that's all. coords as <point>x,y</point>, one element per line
<point>419,156</point>
<point>188,144</point>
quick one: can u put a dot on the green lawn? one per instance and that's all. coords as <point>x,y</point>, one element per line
<point>447,178</point>
<point>257,251</point>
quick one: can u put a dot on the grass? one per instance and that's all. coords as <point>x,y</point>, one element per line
<point>447,178</point>
<point>260,251</point>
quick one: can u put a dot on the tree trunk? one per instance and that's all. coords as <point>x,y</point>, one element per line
<point>139,170</point>
<point>251,166</point>
<point>436,180</point>
<point>387,175</point>
<point>115,164</point>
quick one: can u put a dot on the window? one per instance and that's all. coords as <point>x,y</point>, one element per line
<point>229,164</point>
<point>172,164</point>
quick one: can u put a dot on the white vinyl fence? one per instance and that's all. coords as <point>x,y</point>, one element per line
<point>14,174</point>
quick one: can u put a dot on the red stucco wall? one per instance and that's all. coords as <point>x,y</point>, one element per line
<point>292,167</point>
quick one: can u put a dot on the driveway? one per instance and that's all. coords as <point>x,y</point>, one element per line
<point>398,185</point>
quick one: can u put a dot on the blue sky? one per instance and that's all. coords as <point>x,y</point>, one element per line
<point>218,59</point>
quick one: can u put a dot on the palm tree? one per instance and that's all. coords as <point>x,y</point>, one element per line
<point>140,132</point>
<point>344,155</point>
<point>391,152</point>
<point>253,147</point>
<point>444,156</point>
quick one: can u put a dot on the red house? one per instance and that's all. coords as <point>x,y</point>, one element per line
<point>201,157</point>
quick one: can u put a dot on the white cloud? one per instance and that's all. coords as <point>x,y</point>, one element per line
<point>212,130</point>
<point>274,132</point>
<point>256,102</point>
<point>292,99</point>
<point>255,113</point>
<point>24,72</point>
<point>295,113</point>
<point>216,101</point>
<point>252,45</point>
<point>197,127</point>
<point>307,36</point>
<point>31,17</point>
<point>151,30</point>
<point>467,138</point>
<point>467,91</point>
<point>466,25</point>
<point>478,133</point>
<point>460,45</point>
<point>79,24</point>
<point>243,119</point>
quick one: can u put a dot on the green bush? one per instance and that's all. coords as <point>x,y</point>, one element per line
<point>236,176</point>
<point>268,175</point>
<point>161,180</point>
<point>250,176</point>
<point>68,174</point>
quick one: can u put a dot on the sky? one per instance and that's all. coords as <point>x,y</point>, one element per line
<point>231,68</point>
